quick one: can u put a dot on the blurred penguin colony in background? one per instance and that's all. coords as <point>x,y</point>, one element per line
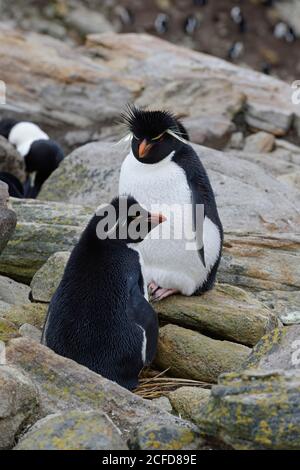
<point>41,154</point>
<point>251,32</point>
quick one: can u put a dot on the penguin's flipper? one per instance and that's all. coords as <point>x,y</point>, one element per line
<point>142,314</point>
<point>198,214</point>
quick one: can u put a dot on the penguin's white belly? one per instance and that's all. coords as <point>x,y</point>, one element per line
<point>169,262</point>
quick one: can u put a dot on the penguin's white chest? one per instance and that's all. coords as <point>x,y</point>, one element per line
<point>170,259</point>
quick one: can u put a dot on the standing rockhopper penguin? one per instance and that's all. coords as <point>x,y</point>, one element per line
<point>161,169</point>
<point>100,316</point>
<point>42,155</point>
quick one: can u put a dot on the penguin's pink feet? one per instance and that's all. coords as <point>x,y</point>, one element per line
<point>162,293</point>
<point>152,287</point>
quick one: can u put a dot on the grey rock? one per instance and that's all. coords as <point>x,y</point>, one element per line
<point>261,262</point>
<point>85,21</point>
<point>64,385</point>
<point>46,280</point>
<point>93,176</point>
<point>236,141</point>
<point>8,330</point>
<point>192,355</point>
<point>226,312</point>
<point>43,229</point>
<point>12,292</point>
<point>4,306</point>
<point>163,403</point>
<point>160,436</point>
<point>291,318</point>
<point>254,409</point>
<point>33,313</point>
<point>292,178</point>
<point>261,142</point>
<point>73,430</point>
<point>8,217</point>
<point>278,350</point>
<point>213,131</point>
<point>10,160</point>
<point>254,192</point>
<point>19,404</point>
<point>106,73</point>
<point>267,118</point>
<point>189,401</point>
<point>30,331</point>
<point>284,303</point>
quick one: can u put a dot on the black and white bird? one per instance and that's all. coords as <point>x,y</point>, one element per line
<point>284,31</point>
<point>100,316</point>
<point>236,50</point>
<point>190,24</point>
<point>238,18</point>
<point>161,23</point>
<point>42,155</point>
<point>162,169</point>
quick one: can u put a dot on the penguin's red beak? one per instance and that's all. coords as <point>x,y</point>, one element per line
<point>156,219</point>
<point>144,148</point>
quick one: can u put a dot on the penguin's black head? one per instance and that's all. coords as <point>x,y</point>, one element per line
<point>155,134</point>
<point>125,220</point>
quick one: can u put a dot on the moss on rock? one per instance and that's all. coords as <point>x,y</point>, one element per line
<point>73,430</point>
<point>191,355</point>
<point>32,313</point>
<point>254,410</point>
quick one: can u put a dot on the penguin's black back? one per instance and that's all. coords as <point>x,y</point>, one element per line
<point>43,157</point>
<point>195,172</point>
<point>90,315</point>
<point>6,126</point>
<point>202,193</point>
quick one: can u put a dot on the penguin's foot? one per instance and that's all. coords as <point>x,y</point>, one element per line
<point>162,293</point>
<point>152,287</point>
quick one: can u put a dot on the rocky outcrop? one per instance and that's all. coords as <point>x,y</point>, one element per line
<point>7,217</point>
<point>73,430</point>
<point>112,70</point>
<point>43,229</point>
<point>69,20</point>
<point>12,292</point>
<point>259,407</point>
<point>189,354</point>
<point>19,404</point>
<point>227,312</point>
<point>279,349</point>
<point>254,410</point>
<point>64,385</point>
<point>47,278</point>
<point>93,176</point>
<point>32,313</point>
<point>8,330</point>
<point>150,436</point>
<point>188,401</point>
